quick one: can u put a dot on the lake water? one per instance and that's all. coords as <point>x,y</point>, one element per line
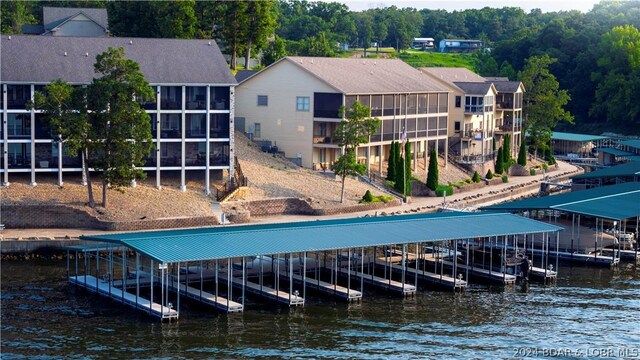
<point>589,313</point>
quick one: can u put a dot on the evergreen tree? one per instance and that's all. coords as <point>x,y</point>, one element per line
<point>432,174</point>
<point>399,168</point>
<point>489,174</point>
<point>499,161</point>
<point>522,154</point>
<point>476,177</point>
<point>391,163</point>
<point>407,168</point>
<point>506,151</point>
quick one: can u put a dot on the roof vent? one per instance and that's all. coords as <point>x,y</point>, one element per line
<point>9,37</point>
<point>375,62</point>
<point>371,72</point>
<point>209,43</point>
<point>86,54</point>
<point>65,53</point>
<point>130,42</point>
<point>312,61</point>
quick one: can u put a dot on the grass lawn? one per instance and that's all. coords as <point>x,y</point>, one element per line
<point>436,59</point>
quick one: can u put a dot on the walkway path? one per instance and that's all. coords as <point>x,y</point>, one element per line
<point>418,204</point>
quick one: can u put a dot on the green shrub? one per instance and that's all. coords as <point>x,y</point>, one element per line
<point>470,180</point>
<point>442,189</point>
<point>368,197</point>
<point>545,167</point>
<point>476,177</point>
<point>489,175</point>
<point>505,179</point>
<point>384,198</point>
<point>532,171</point>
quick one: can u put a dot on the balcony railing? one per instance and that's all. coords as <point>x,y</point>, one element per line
<point>319,139</point>
<point>504,105</point>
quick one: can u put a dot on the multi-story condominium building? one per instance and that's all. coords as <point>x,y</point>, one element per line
<point>295,104</point>
<point>190,115</point>
<point>481,111</point>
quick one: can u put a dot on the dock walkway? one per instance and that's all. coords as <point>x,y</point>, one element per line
<point>429,276</point>
<point>219,302</point>
<point>396,286</point>
<point>327,288</point>
<point>492,276</point>
<point>102,287</point>
<point>270,293</point>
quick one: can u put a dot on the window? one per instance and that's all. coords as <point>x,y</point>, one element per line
<point>458,101</point>
<point>473,104</point>
<point>263,100</point>
<point>302,103</point>
<point>456,126</point>
<point>257,130</point>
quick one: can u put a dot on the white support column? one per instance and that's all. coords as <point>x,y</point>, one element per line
<point>232,106</point>
<point>5,130</point>
<point>158,133</point>
<point>183,186</point>
<point>32,114</point>
<point>60,148</point>
<point>207,174</point>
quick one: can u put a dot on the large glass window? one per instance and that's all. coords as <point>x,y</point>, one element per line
<point>196,125</point>
<point>376,105</point>
<point>302,103</point>
<point>152,104</point>
<point>263,100</point>
<point>18,126</point>
<point>219,127</point>
<point>488,103</point>
<point>171,126</point>
<point>219,154</point>
<point>412,104</point>
<point>18,96</point>
<point>46,156</point>
<point>170,154</point>
<point>443,103</point>
<point>219,98</point>
<point>327,105</point>
<point>19,155</point>
<point>473,104</point>
<point>42,128</point>
<point>388,105</point>
<point>433,103</point>
<point>196,98</point>
<point>458,101</point>
<point>195,154</point>
<point>422,103</point>
<point>171,98</point>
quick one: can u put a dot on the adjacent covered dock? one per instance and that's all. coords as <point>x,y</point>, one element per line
<point>219,266</point>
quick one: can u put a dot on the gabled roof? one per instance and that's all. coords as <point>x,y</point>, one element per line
<point>54,16</point>
<point>615,202</point>
<point>41,59</point>
<point>453,74</point>
<point>242,75</point>
<point>366,76</point>
<point>475,88</point>
<point>507,86</point>
<point>254,240</point>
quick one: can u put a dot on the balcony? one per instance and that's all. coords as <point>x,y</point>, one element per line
<point>319,139</point>
<point>504,105</point>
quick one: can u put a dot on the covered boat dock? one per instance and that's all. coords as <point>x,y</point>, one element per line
<point>219,266</point>
<point>617,206</point>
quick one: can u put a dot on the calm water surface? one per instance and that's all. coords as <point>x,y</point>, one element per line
<point>590,312</point>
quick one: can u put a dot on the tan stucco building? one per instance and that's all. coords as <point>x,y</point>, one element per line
<point>294,103</point>
<point>480,110</point>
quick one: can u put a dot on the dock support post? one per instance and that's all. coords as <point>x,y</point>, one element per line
<point>491,256</point>
<point>466,264</point>
<point>403,264</point>
<point>455,261</point>
<point>362,270</point>
<point>290,275</point>
<point>304,275</point>
<point>417,267</point>
<point>244,283</point>
<point>229,280</point>
<point>557,251</point>
<point>349,276</point>
<point>216,284</point>
<point>201,279</point>
<point>137,277</point>
<point>504,259</point>
<point>152,273</point>
<point>124,273</point>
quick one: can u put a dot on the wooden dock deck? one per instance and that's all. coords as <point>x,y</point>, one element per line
<point>102,287</point>
<point>493,276</point>
<point>219,302</point>
<point>270,293</point>
<point>437,279</point>
<point>396,286</point>
<point>327,288</point>
<point>540,273</point>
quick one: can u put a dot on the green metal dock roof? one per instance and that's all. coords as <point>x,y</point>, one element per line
<point>576,137</point>
<point>614,202</point>
<point>616,152</point>
<point>252,240</point>
<point>623,170</point>
<point>631,143</point>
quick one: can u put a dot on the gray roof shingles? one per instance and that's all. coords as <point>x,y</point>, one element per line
<point>507,86</point>
<point>368,76</point>
<point>474,88</point>
<point>53,16</point>
<point>41,59</point>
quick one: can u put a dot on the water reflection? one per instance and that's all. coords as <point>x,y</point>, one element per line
<point>43,316</point>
